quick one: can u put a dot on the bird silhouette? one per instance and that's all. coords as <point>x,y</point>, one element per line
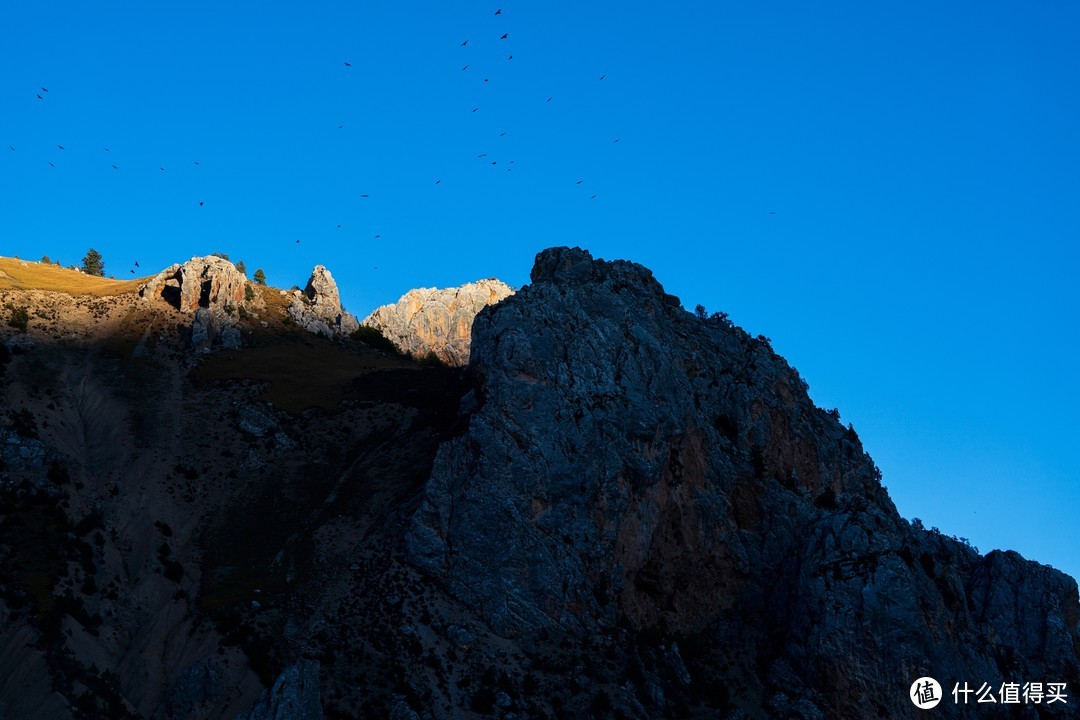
<point>340,126</point>
<point>549,99</point>
<point>44,89</point>
<point>510,58</point>
<point>136,263</point>
<point>579,182</point>
<point>485,79</point>
<point>482,155</point>
<point>115,168</point>
<point>51,165</point>
<point>502,134</point>
<point>603,76</point>
<point>465,68</point>
<point>297,242</point>
<point>161,169</point>
<point>464,43</point>
<point>39,97</point>
<point>348,64</point>
<point>504,36</point>
<point>494,162</point>
<point>201,203</point>
<point>593,197</point>
<point>475,109</point>
<point>615,140</point>
<point>377,237</point>
<point>438,181</point>
<point>498,12</point>
<point>60,146</point>
<point>132,272</point>
<point>196,162</point>
<point>772,212</point>
<point>364,196</point>
<point>106,149</point>
<point>339,226</point>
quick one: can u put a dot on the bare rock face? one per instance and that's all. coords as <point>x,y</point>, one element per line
<point>627,464</point>
<point>210,282</point>
<point>294,696</point>
<point>318,309</point>
<point>211,289</point>
<point>429,320</point>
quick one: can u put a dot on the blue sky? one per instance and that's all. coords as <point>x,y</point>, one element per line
<point>921,160</point>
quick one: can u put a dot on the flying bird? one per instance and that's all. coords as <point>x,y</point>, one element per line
<point>60,146</point>
<point>348,64</point>
<point>603,76</point>
<point>161,169</point>
<point>579,182</point>
<point>772,212</point>
<point>485,79</point>
<point>465,68</point>
<point>510,58</point>
<point>498,12</point>
<point>502,134</point>
<point>201,203</point>
<point>39,97</point>
<point>475,109</point>
<point>297,242</point>
<point>107,150</point>
<point>464,43</point>
<point>44,89</point>
<point>136,263</point>
<point>115,168</point>
<point>549,99</point>
<point>196,162</point>
<point>615,140</point>
<point>132,272</point>
<point>340,126</point>
<point>364,196</point>
<point>504,36</point>
<point>438,181</point>
<point>482,155</point>
<point>51,165</point>
<point>339,226</point>
<point>377,237</point>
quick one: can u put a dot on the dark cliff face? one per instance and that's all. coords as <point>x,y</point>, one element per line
<point>630,465</point>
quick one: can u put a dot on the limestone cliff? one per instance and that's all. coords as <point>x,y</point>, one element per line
<point>430,320</point>
<point>318,308</point>
<point>627,464</point>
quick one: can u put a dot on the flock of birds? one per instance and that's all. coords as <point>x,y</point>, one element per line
<point>42,95</point>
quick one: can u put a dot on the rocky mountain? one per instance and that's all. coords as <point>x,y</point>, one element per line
<point>617,509</point>
<point>430,320</point>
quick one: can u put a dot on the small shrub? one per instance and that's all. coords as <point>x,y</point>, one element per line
<point>19,317</point>
<point>249,292</point>
<point>241,267</point>
<point>45,260</point>
<point>374,337</point>
<point>431,360</point>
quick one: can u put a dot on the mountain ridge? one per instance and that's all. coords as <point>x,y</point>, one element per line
<point>616,509</point>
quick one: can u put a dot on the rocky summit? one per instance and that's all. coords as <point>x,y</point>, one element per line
<point>438,322</point>
<point>615,509</point>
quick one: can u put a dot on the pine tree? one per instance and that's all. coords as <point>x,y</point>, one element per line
<point>92,264</point>
<point>260,276</point>
<point>241,267</point>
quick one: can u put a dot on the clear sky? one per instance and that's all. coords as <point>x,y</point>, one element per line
<point>922,160</point>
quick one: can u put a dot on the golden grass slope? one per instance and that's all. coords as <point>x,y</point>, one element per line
<point>16,274</point>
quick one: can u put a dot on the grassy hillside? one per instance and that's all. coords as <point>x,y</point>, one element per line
<point>18,274</point>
